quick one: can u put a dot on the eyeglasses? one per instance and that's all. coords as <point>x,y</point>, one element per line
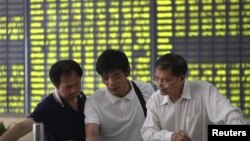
<point>164,84</point>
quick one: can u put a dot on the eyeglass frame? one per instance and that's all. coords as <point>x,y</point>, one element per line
<point>164,84</point>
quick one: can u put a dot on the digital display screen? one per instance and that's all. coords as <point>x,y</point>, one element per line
<point>213,36</point>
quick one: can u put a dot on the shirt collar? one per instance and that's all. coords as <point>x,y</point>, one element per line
<point>186,94</point>
<point>164,99</point>
<point>57,97</point>
<point>114,99</point>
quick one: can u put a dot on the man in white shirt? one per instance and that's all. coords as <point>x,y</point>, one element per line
<point>116,112</point>
<point>181,110</point>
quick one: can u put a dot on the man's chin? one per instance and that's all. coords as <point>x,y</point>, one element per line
<point>164,93</point>
<point>113,92</point>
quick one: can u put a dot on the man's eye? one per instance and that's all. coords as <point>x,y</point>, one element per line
<point>104,78</point>
<point>116,77</point>
<point>68,87</point>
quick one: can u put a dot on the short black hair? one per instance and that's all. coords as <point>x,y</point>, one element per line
<point>63,68</point>
<point>176,63</point>
<point>111,60</point>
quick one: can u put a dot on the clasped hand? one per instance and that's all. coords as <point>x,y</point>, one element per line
<point>180,136</point>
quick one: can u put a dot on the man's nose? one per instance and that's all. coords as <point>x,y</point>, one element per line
<point>75,89</point>
<point>111,81</point>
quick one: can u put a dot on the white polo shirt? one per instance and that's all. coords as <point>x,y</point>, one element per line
<point>120,119</point>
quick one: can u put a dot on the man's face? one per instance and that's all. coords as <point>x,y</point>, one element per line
<point>166,82</point>
<point>69,87</point>
<point>116,82</point>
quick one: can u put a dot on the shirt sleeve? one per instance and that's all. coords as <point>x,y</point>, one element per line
<point>90,112</point>
<point>151,129</point>
<point>43,110</point>
<point>146,89</point>
<point>39,113</point>
<point>220,110</point>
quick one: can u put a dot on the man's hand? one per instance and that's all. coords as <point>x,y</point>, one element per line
<point>180,136</point>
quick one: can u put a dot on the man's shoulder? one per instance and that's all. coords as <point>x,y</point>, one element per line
<point>145,88</point>
<point>98,94</point>
<point>142,85</point>
<point>156,95</point>
<point>47,98</point>
<point>140,82</point>
<point>200,83</point>
<point>155,99</point>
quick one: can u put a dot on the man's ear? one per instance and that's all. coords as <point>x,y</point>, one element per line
<point>127,72</point>
<point>182,77</point>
